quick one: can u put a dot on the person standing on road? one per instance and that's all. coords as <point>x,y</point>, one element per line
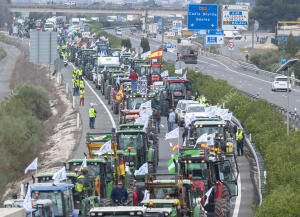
<point>92,115</point>
<point>81,96</point>
<point>119,194</point>
<point>133,77</point>
<point>239,137</point>
<point>171,120</point>
<point>158,119</point>
<point>81,83</point>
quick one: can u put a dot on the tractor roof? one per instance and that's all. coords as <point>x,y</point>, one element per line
<point>51,174</point>
<point>161,201</point>
<point>161,181</point>
<point>131,131</point>
<point>219,123</point>
<point>175,80</point>
<point>98,160</point>
<point>116,209</point>
<point>159,210</point>
<point>50,187</point>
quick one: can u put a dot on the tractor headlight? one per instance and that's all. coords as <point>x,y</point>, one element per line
<point>126,164</point>
<point>131,164</point>
<point>93,214</point>
<point>166,214</point>
<point>131,213</point>
<point>139,213</point>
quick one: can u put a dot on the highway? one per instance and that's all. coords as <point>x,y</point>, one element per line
<point>221,68</point>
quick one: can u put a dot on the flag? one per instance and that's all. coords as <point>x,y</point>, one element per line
<point>136,55</point>
<point>175,147</point>
<point>84,163</point>
<point>202,138</point>
<point>103,70</point>
<point>145,109</point>
<point>171,165</point>
<point>143,170</point>
<point>207,194</point>
<point>146,195</point>
<point>178,71</point>
<point>184,142</point>
<point>60,175</point>
<point>191,153</point>
<point>32,166</point>
<point>210,139</point>
<point>174,134</point>
<point>184,76</point>
<point>157,54</point>
<point>189,119</point>
<point>27,203</point>
<point>121,168</point>
<point>105,148</point>
<point>115,54</point>
<point>145,55</point>
<point>142,120</point>
<point>119,95</point>
<point>122,66</point>
<point>165,73</point>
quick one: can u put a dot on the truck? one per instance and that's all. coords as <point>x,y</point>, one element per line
<point>12,212</point>
<point>152,30</point>
<point>187,52</point>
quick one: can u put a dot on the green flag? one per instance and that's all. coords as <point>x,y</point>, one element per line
<point>171,165</point>
<point>192,153</point>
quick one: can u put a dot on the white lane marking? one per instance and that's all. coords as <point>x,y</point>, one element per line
<point>207,63</point>
<point>238,199</point>
<point>100,100</point>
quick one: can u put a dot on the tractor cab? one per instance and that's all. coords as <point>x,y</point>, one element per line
<point>60,196</point>
<point>138,66</point>
<point>40,207</point>
<point>161,207</point>
<point>126,59</point>
<point>208,172</point>
<point>134,148</point>
<point>173,192</point>
<point>130,105</point>
<point>99,177</point>
<point>121,211</point>
<point>216,126</point>
<point>47,178</point>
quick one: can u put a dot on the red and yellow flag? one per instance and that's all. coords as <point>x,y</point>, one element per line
<point>175,147</point>
<point>121,168</point>
<point>119,95</point>
<point>157,54</point>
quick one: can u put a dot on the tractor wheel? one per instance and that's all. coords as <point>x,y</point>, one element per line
<point>222,205</point>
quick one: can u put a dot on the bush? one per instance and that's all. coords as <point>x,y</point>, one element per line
<point>126,43</point>
<point>20,129</point>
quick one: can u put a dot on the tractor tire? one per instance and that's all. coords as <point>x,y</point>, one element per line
<point>222,206</point>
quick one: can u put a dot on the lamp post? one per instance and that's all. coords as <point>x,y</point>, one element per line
<point>285,67</point>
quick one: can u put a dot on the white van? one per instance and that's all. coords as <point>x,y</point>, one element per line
<point>281,83</point>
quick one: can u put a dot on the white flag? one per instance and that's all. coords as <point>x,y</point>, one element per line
<point>84,163</point>
<point>103,70</point>
<point>184,142</point>
<point>60,175</point>
<point>207,194</point>
<point>165,73</point>
<point>27,203</point>
<point>105,148</point>
<point>145,109</point>
<point>145,55</point>
<point>227,117</point>
<point>136,55</point>
<point>122,66</point>
<point>32,166</point>
<point>142,120</point>
<point>115,54</point>
<point>142,170</point>
<point>178,71</point>
<point>184,76</point>
<point>146,195</point>
<point>189,119</point>
<point>174,134</point>
<point>211,139</point>
<point>202,138</point>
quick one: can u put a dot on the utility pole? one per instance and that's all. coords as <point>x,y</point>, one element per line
<point>288,104</point>
<point>162,32</point>
<point>253,36</point>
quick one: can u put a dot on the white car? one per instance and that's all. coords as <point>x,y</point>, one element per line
<point>197,110</point>
<point>281,83</point>
<point>180,110</point>
<point>119,32</point>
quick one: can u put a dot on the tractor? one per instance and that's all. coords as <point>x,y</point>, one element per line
<point>59,194</point>
<point>209,173</point>
<point>119,84</point>
<point>175,89</point>
<point>172,192</point>
<point>47,178</point>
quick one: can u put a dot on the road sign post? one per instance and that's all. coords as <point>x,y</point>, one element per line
<point>235,17</point>
<point>202,17</point>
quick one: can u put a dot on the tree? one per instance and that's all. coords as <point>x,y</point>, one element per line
<point>145,44</point>
<point>269,12</point>
<point>292,45</point>
<point>126,43</point>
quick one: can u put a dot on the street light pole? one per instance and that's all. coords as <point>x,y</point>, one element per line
<point>288,104</point>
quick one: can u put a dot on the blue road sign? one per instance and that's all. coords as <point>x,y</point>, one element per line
<point>202,17</point>
<point>283,61</point>
<point>214,32</point>
<point>211,40</point>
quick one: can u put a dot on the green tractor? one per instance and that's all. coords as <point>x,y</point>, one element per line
<point>210,173</point>
<point>223,139</point>
<point>104,73</point>
<point>172,192</point>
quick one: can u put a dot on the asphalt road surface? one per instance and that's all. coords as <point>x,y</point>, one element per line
<point>7,65</point>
